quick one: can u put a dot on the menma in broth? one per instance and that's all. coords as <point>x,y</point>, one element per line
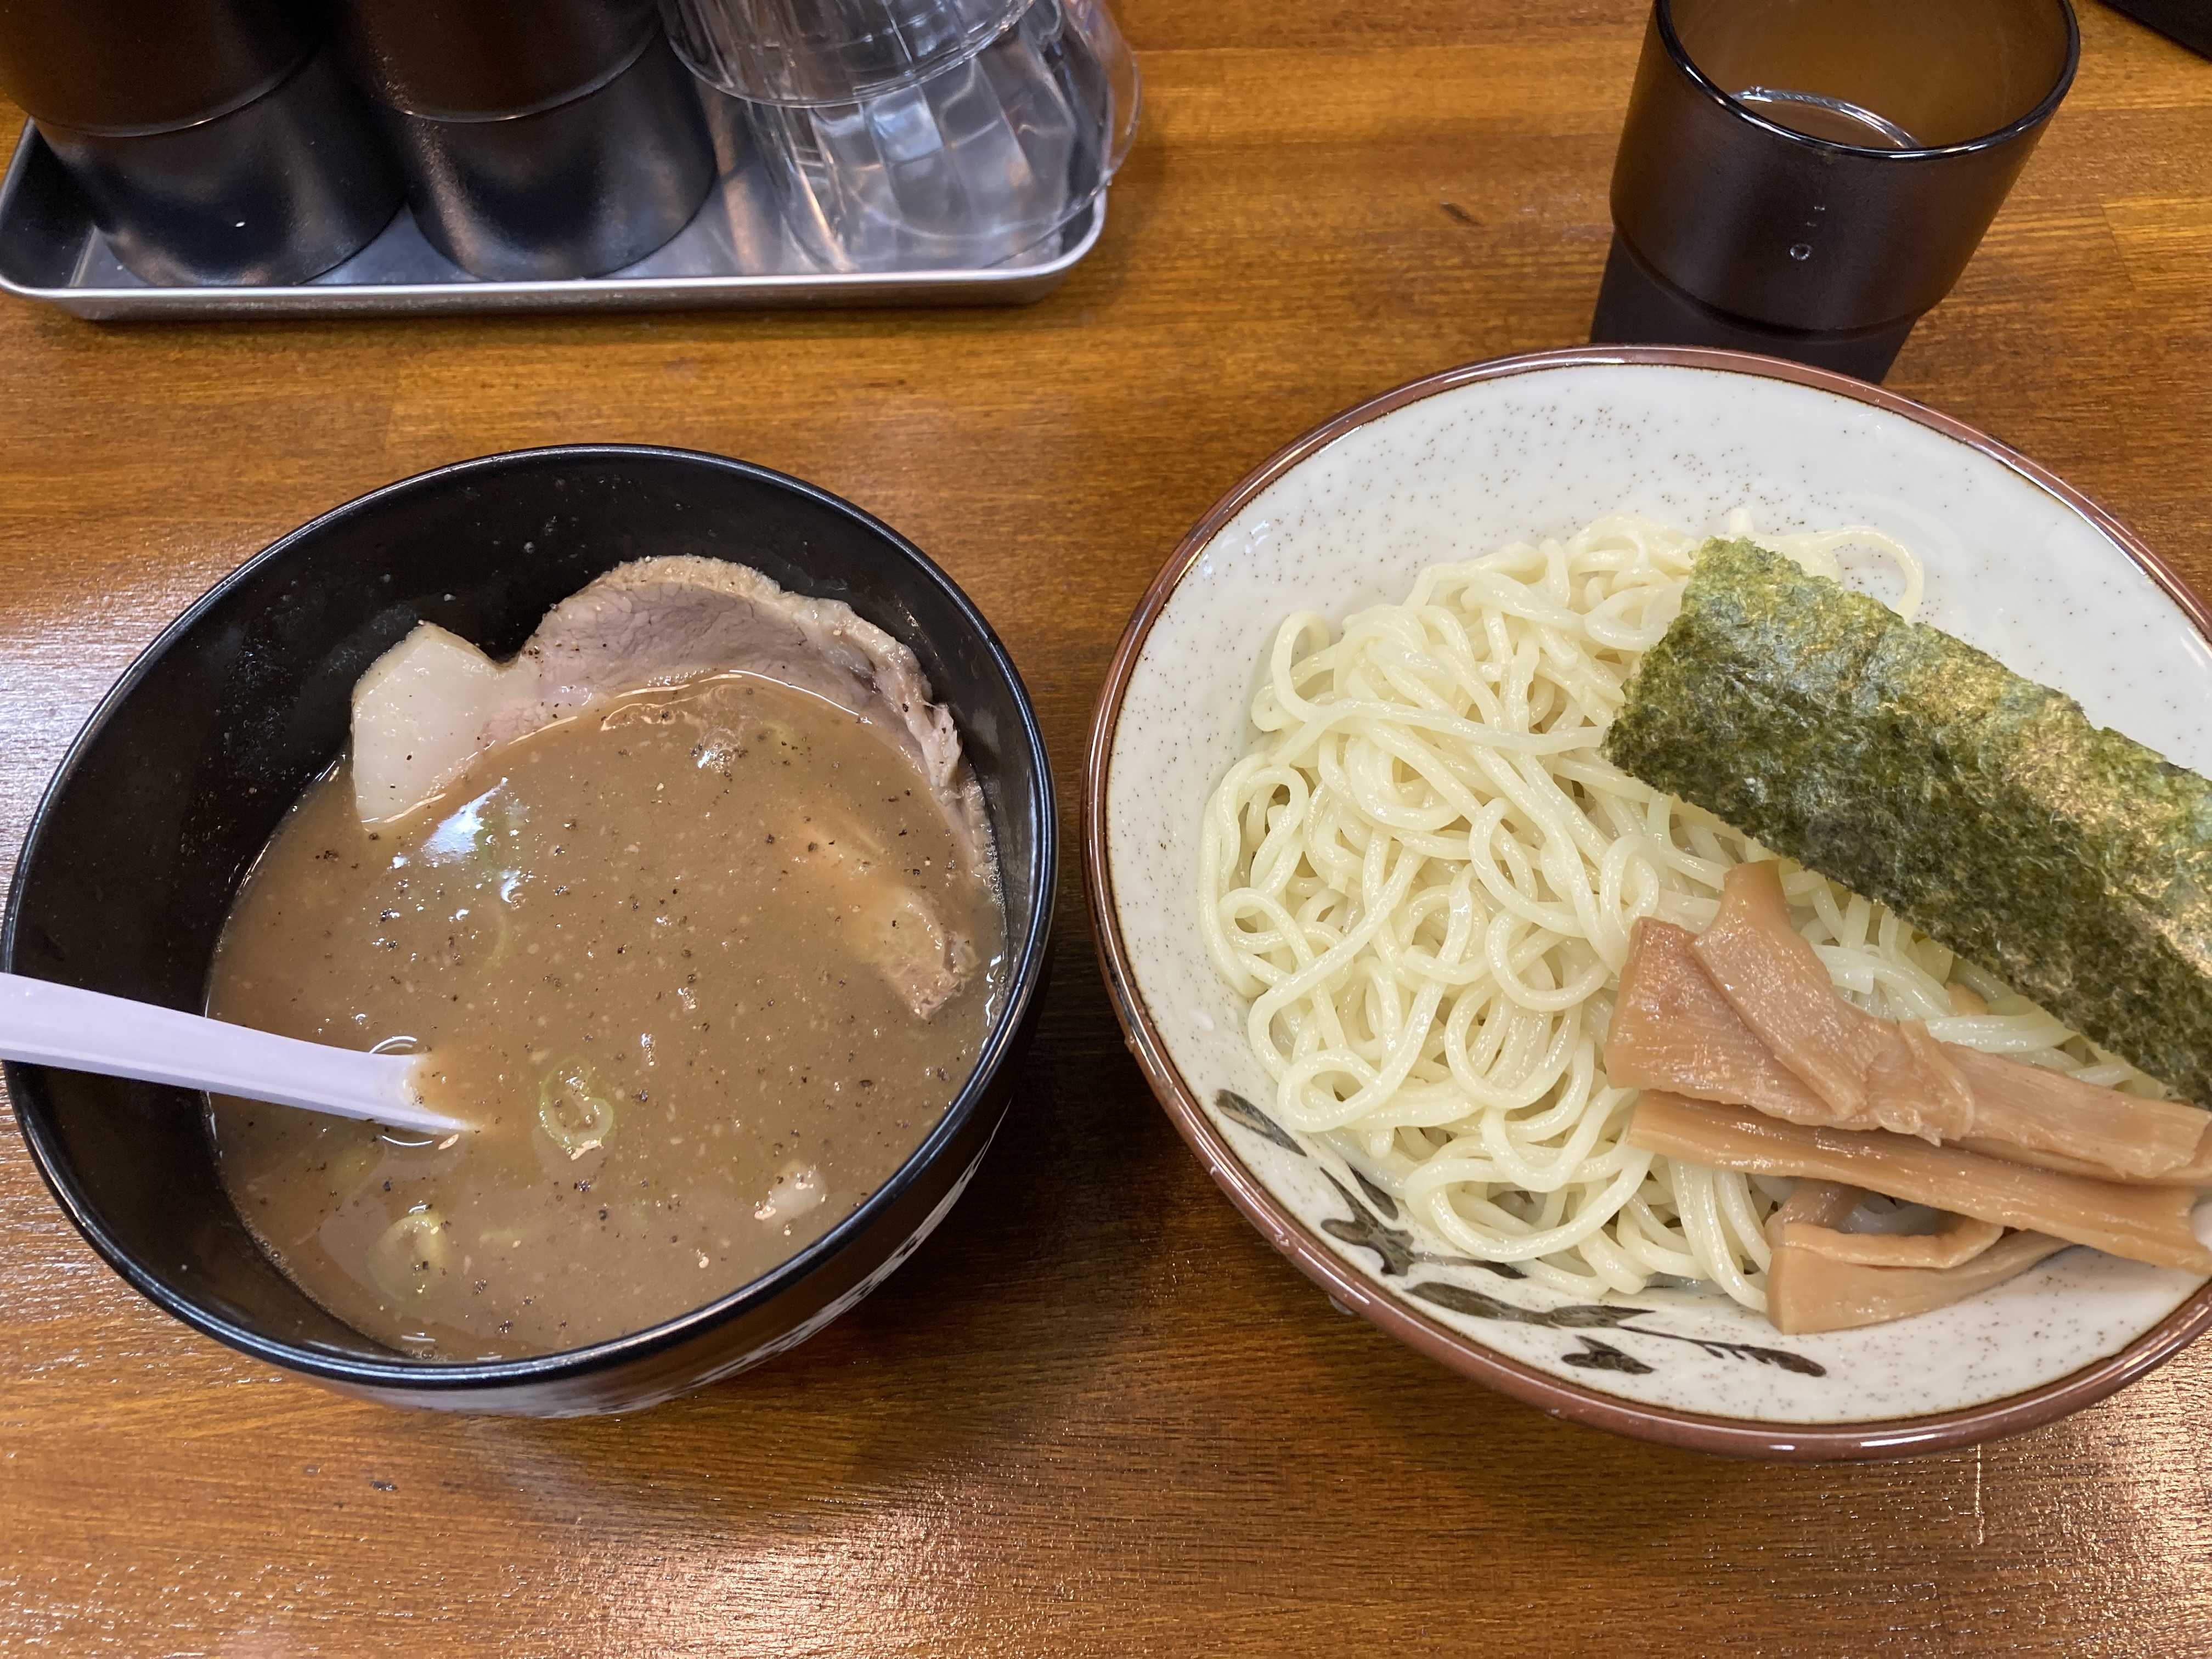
<point>706,964</point>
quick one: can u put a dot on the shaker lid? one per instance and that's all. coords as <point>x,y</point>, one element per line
<point>124,66</point>
<point>475,59</point>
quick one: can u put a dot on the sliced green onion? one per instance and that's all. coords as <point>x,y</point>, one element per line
<point>413,1251</point>
<point>572,1109</point>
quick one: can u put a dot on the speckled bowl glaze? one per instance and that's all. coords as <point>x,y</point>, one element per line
<point>1467,460</point>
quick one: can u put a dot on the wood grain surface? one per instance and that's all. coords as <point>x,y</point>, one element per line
<point>1096,1415</point>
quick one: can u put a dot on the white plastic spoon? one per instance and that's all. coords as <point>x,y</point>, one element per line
<point>50,1024</point>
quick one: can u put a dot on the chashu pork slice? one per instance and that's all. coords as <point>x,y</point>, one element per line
<point>431,702</point>
<point>884,920</point>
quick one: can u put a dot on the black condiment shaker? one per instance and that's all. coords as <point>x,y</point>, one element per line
<point>215,139</point>
<point>540,139</point>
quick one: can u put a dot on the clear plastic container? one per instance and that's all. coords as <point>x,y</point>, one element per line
<point>913,134</point>
<point>829,51</point>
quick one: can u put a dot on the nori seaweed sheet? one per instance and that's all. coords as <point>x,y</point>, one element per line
<point>1987,810</point>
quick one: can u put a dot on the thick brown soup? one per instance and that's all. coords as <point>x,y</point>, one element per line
<point>706,964</point>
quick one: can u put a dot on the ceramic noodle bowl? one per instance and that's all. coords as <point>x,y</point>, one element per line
<point>1466,463</point>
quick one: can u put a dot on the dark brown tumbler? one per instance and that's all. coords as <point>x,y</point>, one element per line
<point>1805,178</point>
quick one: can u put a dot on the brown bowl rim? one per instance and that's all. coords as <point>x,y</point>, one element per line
<point>1734,1436</point>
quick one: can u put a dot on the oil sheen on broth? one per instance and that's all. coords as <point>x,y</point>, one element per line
<point>705,962</point>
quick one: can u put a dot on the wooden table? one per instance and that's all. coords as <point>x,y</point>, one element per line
<point>1096,1415</point>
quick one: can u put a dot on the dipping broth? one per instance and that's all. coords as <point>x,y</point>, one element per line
<point>705,963</point>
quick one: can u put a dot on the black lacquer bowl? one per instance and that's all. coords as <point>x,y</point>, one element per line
<point>182,774</point>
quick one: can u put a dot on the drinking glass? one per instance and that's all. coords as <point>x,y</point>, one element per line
<point>912,133</point>
<point>1807,178</point>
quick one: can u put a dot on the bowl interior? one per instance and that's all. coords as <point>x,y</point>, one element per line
<point>1513,453</point>
<point>181,777</point>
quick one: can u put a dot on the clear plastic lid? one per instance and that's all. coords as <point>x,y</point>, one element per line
<point>805,52</point>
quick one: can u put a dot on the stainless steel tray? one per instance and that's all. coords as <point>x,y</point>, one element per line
<point>735,253</point>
